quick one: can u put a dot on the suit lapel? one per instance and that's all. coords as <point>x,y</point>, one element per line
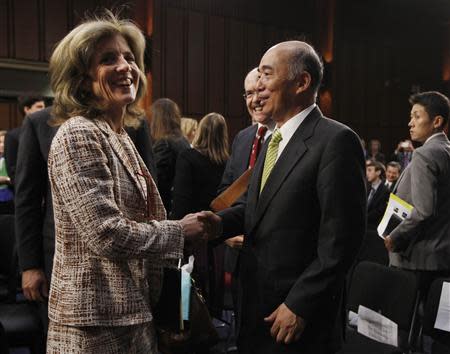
<point>290,157</point>
<point>121,155</point>
<point>246,147</point>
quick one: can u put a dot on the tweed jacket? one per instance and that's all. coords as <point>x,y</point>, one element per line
<point>111,236</point>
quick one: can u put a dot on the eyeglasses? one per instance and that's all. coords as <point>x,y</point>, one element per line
<point>248,95</point>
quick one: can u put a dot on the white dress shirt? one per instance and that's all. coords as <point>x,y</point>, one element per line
<point>289,128</point>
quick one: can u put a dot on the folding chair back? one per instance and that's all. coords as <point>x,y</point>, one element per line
<point>440,338</point>
<point>389,291</point>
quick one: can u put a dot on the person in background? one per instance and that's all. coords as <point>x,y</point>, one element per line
<point>6,194</point>
<point>403,153</point>
<point>247,146</point>
<point>197,176</point>
<point>374,152</point>
<point>27,105</point>
<point>421,243</point>
<point>377,193</point>
<point>168,142</point>
<point>393,170</point>
<point>111,233</point>
<point>188,128</point>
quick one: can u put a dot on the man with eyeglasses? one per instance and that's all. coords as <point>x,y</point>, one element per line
<point>246,148</point>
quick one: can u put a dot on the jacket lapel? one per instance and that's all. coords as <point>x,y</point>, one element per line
<point>121,155</point>
<point>246,147</point>
<point>290,157</point>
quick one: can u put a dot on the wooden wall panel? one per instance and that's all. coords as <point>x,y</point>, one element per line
<point>157,50</point>
<point>216,65</point>
<point>56,25</point>
<point>255,45</point>
<point>9,117</point>
<point>236,69</point>
<point>378,63</point>
<point>174,57</point>
<point>26,29</point>
<point>4,28</point>
<point>196,69</point>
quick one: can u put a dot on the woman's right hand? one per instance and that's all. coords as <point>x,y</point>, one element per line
<point>203,225</point>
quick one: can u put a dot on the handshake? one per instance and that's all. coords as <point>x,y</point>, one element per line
<point>204,225</point>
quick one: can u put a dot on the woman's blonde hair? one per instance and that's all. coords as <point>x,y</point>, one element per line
<point>188,128</point>
<point>211,138</point>
<point>165,119</point>
<point>70,64</point>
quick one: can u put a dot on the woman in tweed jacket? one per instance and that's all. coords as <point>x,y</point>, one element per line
<point>112,236</point>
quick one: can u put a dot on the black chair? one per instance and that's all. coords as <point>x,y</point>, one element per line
<point>8,260</point>
<point>21,323</point>
<point>391,292</point>
<point>373,249</point>
<point>3,341</point>
<point>435,340</point>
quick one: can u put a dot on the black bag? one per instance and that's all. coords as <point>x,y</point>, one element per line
<point>173,336</point>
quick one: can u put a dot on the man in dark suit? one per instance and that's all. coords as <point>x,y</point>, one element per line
<point>421,242</point>
<point>35,232</point>
<point>245,149</point>
<point>377,193</point>
<point>27,105</point>
<point>303,216</point>
<point>393,170</point>
<point>241,151</point>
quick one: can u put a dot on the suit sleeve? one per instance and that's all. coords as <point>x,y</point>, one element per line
<point>341,193</point>
<point>183,195</point>
<point>82,182</point>
<point>11,150</point>
<point>30,191</point>
<point>229,175</point>
<point>423,198</point>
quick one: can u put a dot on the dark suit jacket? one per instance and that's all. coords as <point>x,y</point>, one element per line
<point>11,149</point>
<point>240,156</point>
<point>236,166</point>
<point>166,152</point>
<point>377,206</point>
<point>195,183</point>
<point>302,233</point>
<point>35,232</point>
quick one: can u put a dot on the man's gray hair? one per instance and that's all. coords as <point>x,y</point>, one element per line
<point>305,58</point>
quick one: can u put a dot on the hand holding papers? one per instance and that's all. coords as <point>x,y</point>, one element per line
<point>396,211</point>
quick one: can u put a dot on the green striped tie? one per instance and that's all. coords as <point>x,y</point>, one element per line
<point>271,157</point>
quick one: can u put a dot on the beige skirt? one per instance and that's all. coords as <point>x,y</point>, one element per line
<point>134,339</point>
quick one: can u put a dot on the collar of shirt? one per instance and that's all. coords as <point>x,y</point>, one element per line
<point>433,136</point>
<point>289,128</point>
<point>375,185</point>
<point>269,131</point>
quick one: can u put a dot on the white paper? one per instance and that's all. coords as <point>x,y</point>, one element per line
<point>443,314</point>
<point>377,327</point>
<point>397,209</point>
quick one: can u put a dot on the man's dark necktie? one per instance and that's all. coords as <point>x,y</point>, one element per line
<point>257,144</point>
